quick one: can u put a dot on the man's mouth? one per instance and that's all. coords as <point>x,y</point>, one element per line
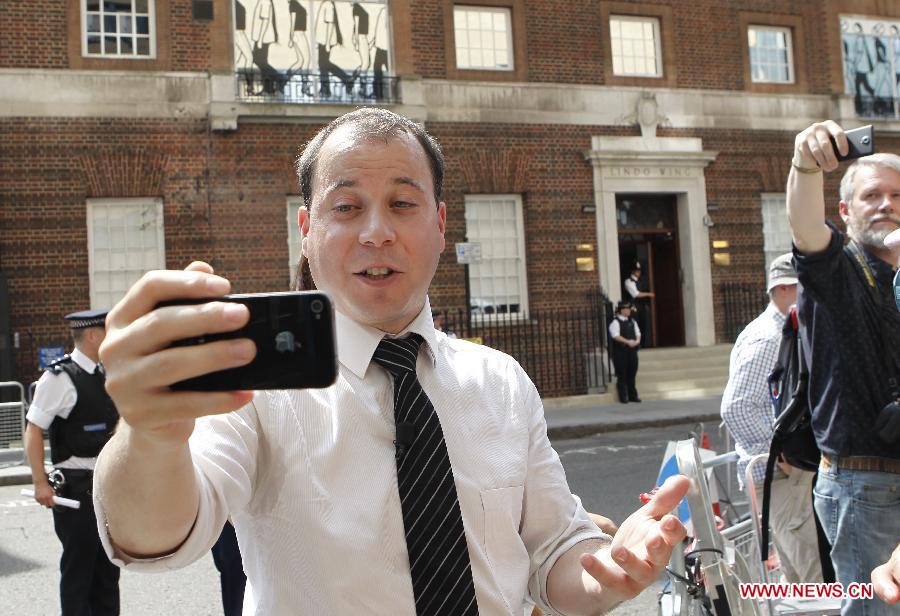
<point>376,273</point>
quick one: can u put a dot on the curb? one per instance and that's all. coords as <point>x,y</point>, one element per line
<point>553,432</point>
<point>580,430</point>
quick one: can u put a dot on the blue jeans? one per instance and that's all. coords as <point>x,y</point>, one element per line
<point>860,512</point>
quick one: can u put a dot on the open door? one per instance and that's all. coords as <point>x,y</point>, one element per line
<point>648,234</point>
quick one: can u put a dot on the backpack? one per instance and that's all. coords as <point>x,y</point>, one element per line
<point>793,437</point>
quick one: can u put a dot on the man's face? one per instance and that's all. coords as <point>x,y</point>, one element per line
<point>374,234</point>
<point>875,208</point>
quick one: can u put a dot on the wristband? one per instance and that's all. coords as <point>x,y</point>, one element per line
<point>796,165</point>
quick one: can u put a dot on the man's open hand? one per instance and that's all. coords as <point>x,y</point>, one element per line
<point>642,546</point>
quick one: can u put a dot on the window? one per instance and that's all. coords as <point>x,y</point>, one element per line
<point>293,234</point>
<point>497,284</point>
<point>635,46</point>
<point>770,54</point>
<point>483,38</point>
<point>118,28</point>
<point>125,240</point>
<point>776,230</point>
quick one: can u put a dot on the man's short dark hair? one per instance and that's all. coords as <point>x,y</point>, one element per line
<point>370,123</point>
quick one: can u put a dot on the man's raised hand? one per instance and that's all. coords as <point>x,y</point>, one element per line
<point>140,366</point>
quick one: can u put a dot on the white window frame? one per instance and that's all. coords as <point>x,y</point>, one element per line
<point>657,45</point>
<point>293,234</point>
<point>493,11</point>
<point>789,47</point>
<point>775,228</point>
<point>151,13</point>
<point>151,211</point>
<point>476,200</point>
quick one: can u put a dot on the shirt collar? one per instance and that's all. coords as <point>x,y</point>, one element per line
<point>356,342</point>
<point>775,314</point>
<point>86,363</point>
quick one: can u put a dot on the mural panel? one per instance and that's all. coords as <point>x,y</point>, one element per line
<point>312,49</point>
<point>871,49</point>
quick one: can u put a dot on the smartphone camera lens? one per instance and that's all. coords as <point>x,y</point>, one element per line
<point>316,306</point>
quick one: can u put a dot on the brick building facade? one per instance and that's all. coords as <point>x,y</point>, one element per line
<point>166,132</point>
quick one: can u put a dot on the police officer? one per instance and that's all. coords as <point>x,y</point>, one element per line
<point>640,300</point>
<point>70,401</point>
<point>626,338</point>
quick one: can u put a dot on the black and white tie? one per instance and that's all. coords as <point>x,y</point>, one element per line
<point>438,554</point>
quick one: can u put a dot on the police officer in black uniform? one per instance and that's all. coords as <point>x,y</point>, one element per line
<point>626,338</point>
<point>71,402</point>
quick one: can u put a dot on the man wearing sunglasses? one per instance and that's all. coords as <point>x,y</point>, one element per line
<point>849,330</point>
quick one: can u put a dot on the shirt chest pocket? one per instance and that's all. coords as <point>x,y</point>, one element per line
<point>506,554</point>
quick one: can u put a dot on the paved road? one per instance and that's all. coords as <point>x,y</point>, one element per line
<point>607,471</point>
<point>610,470</point>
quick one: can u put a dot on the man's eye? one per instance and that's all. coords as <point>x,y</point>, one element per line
<point>403,204</point>
<point>342,207</point>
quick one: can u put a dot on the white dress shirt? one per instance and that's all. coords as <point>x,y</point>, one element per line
<point>55,396</point>
<point>615,328</point>
<point>309,480</point>
<point>631,287</point>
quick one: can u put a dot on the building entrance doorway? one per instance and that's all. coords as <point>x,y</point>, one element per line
<point>648,234</point>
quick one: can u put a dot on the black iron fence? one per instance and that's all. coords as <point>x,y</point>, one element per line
<point>877,106</point>
<point>742,303</point>
<point>315,87</point>
<point>563,351</point>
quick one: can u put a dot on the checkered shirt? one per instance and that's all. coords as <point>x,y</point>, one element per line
<point>746,404</point>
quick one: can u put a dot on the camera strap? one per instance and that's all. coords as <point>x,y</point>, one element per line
<point>878,306</point>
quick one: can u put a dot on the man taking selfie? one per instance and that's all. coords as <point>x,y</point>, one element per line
<point>470,515</point>
<point>849,329</point>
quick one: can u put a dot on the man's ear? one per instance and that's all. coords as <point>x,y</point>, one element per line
<point>844,210</point>
<point>442,222</point>
<point>303,226</point>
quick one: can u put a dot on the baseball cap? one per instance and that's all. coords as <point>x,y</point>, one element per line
<point>781,271</point>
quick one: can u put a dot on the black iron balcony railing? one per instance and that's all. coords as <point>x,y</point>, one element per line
<point>315,87</point>
<point>877,106</point>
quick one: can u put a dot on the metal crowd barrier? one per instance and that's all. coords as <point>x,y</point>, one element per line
<point>12,425</point>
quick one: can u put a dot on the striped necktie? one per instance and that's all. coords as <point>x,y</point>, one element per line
<point>438,554</point>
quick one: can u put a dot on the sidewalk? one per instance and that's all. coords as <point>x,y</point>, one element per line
<point>566,418</point>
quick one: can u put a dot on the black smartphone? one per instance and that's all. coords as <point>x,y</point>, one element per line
<point>861,141</point>
<point>295,344</point>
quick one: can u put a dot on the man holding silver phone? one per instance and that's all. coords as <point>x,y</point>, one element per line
<point>422,481</point>
<point>849,329</point>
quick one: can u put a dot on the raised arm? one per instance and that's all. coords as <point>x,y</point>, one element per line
<point>813,156</point>
<point>144,479</point>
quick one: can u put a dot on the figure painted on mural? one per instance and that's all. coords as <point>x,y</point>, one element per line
<point>861,61</point>
<point>361,45</point>
<point>264,32</point>
<point>895,44</point>
<point>300,43</point>
<point>379,42</point>
<point>328,36</point>
<point>882,75</point>
<point>243,51</point>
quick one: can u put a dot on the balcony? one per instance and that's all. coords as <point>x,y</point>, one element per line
<point>311,87</point>
<point>877,107</point>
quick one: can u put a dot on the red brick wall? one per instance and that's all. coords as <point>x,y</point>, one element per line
<point>566,41</point>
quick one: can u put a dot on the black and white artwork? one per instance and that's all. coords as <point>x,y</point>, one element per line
<point>871,51</point>
<point>312,49</point>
